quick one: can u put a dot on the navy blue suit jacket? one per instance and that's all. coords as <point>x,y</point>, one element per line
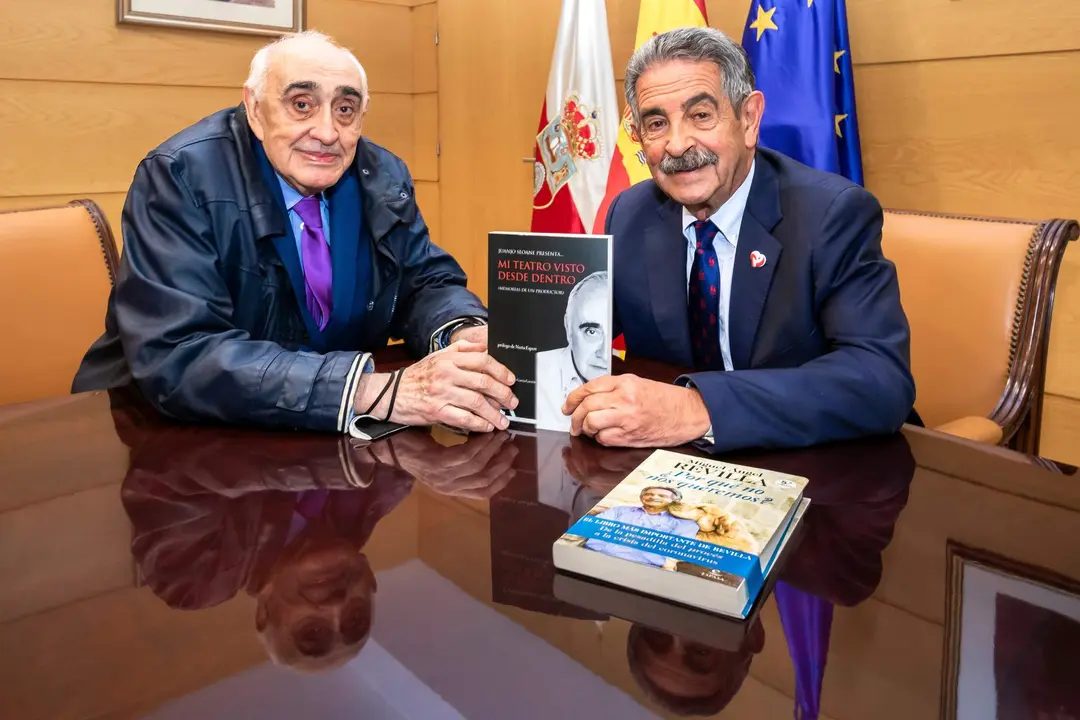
<point>819,340</point>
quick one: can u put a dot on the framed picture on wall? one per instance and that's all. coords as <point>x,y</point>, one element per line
<point>1011,636</point>
<point>258,17</point>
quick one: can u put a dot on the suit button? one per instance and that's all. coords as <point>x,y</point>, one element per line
<point>404,195</point>
<point>371,305</point>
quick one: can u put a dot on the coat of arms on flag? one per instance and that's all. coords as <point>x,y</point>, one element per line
<point>578,124</point>
<point>571,136</point>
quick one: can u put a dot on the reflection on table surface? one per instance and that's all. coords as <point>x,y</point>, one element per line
<point>150,569</point>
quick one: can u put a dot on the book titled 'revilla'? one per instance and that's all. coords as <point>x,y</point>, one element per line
<point>693,530</point>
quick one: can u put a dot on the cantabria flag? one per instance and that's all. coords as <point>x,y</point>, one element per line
<point>576,139</point>
<point>628,162</point>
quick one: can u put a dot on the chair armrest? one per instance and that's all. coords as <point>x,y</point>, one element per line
<point>974,427</point>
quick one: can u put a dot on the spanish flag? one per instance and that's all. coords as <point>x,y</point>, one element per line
<point>628,161</point>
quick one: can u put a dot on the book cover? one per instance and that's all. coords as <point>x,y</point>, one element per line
<point>549,317</point>
<point>688,515</point>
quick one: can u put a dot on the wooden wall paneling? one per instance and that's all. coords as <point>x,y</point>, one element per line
<point>96,134</point>
<point>425,21</point>
<point>425,164</point>
<point>885,31</point>
<point>389,122</point>
<point>731,16</point>
<point>427,198</point>
<point>379,35</point>
<point>489,113</point>
<point>988,136</point>
<point>622,17</point>
<point>890,31</point>
<point>43,41</point>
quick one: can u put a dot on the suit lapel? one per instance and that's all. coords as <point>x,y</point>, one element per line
<point>665,270</point>
<point>750,284</point>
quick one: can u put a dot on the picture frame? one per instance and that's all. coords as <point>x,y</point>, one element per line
<point>251,17</point>
<point>1004,622</point>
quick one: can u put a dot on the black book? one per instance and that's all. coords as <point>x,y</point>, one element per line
<point>549,317</point>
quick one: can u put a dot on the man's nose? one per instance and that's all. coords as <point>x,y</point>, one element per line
<point>324,130</point>
<point>679,141</point>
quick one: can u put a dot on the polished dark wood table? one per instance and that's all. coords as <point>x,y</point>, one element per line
<point>157,570</point>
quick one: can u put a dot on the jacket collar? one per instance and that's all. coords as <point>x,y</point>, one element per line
<point>386,201</point>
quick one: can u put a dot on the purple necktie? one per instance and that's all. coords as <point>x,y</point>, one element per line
<point>316,257</point>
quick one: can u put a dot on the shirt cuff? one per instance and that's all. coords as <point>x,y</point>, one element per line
<point>346,414</point>
<point>441,337</point>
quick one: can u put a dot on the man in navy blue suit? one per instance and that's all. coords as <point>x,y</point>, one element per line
<point>764,276</point>
<point>270,248</point>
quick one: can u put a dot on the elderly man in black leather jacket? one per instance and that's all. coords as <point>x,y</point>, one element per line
<point>269,248</point>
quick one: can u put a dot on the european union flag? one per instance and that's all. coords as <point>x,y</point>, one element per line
<point>801,57</point>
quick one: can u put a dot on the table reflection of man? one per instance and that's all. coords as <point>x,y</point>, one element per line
<point>586,356</point>
<point>652,514</point>
<point>687,677</point>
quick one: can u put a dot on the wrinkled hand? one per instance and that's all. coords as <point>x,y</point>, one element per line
<point>460,386</point>
<point>477,468</point>
<point>474,333</point>
<point>629,411</point>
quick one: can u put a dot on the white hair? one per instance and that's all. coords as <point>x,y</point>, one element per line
<point>260,64</point>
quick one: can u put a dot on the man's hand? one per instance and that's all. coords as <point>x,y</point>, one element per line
<point>460,386</point>
<point>629,411</point>
<point>473,333</point>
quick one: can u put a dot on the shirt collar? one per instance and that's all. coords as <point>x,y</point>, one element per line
<point>728,217</point>
<point>291,196</point>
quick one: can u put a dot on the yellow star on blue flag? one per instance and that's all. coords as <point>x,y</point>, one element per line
<point>801,55</point>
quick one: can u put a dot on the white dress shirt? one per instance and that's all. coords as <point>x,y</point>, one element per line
<point>728,219</point>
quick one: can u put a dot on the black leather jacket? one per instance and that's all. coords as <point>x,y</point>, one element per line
<point>203,317</point>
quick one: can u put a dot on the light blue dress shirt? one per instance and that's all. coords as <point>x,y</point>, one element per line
<point>291,197</point>
<point>728,219</point>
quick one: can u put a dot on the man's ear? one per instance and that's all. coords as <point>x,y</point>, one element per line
<point>251,105</point>
<point>753,108</point>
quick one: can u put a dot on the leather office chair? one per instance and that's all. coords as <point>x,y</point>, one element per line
<point>57,267</point>
<point>978,293</point>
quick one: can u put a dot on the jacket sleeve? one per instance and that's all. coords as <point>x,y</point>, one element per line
<point>433,288</point>
<point>863,385</point>
<point>174,313</point>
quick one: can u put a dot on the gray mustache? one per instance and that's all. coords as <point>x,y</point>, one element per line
<point>693,159</point>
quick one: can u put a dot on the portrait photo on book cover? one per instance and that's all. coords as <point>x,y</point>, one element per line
<point>684,512</point>
<point>585,356</point>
